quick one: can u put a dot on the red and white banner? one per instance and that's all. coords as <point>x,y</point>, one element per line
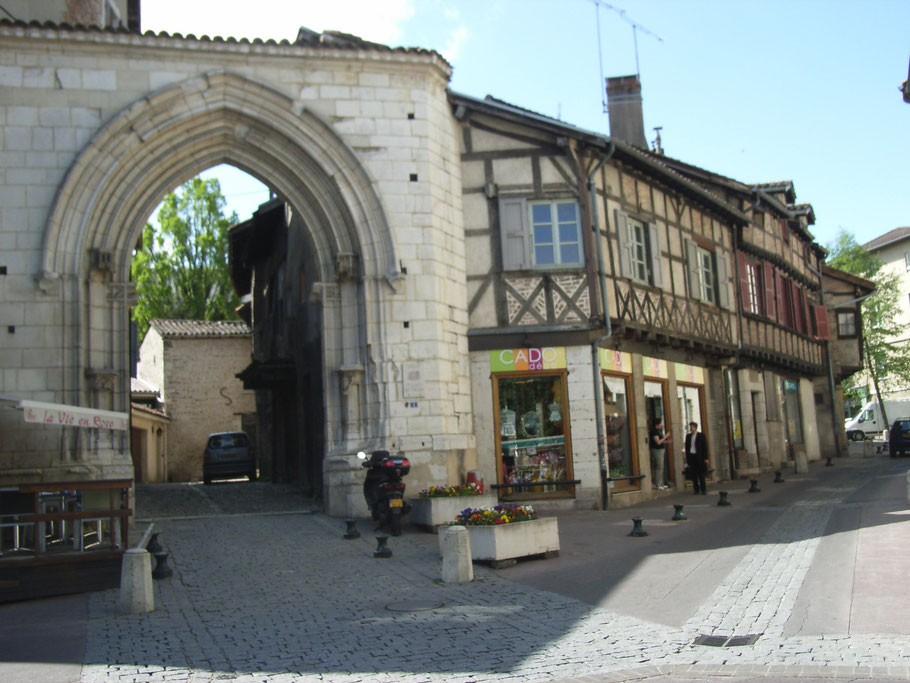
<point>73,416</point>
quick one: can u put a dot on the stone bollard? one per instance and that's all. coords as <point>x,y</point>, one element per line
<point>800,463</point>
<point>457,566</point>
<point>868,449</point>
<point>136,592</point>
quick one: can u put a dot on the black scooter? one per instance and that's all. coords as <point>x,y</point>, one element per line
<point>384,490</point>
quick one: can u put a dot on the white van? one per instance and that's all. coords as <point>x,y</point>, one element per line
<point>869,421</point>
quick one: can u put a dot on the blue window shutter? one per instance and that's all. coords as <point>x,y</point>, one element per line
<point>692,258</point>
<point>656,273</point>
<point>625,244</point>
<point>513,233</point>
<point>724,297</point>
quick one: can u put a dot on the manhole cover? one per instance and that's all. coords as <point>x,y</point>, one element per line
<point>413,605</point>
<point>711,641</point>
<point>727,641</point>
<point>736,641</point>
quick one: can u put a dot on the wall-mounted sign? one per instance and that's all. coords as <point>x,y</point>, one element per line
<point>689,373</point>
<point>791,385</point>
<point>73,416</point>
<point>616,361</point>
<point>654,367</point>
<point>512,360</point>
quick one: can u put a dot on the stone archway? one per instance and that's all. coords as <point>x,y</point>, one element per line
<point>168,137</point>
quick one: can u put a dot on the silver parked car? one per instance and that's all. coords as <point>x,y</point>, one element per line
<point>228,455</point>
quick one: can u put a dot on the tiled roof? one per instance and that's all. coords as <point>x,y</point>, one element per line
<point>327,40</point>
<point>200,328</point>
<point>891,236</point>
<point>138,386</point>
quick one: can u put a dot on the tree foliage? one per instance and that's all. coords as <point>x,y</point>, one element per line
<point>885,363</point>
<point>181,271</point>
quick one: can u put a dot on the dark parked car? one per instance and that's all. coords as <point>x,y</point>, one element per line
<point>228,455</point>
<point>899,437</point>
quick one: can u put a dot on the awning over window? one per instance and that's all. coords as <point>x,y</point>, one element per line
<point>73,416</point>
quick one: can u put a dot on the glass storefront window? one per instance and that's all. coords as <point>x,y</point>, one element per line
<point>791,409</point>
<point>689,406</point>
<point>532,431</point>
<point>621,459</point>
<point>736,422</point>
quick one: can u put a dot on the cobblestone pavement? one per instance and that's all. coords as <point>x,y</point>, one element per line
<point>277,594</point>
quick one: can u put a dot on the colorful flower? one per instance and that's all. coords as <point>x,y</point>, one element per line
<point>498,514</point>
<point>450,491</point>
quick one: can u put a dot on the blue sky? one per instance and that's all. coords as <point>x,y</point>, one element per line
<point>757,90</point>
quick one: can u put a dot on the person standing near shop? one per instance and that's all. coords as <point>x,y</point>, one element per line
<point>697,458</point>
<point>657,442</point>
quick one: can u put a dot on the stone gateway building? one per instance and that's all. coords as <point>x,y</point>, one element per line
<point>482,288</point>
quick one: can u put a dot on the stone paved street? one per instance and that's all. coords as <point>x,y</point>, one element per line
<point>277,594</point>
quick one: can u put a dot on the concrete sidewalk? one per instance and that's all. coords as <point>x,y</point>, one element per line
<point>802,580</point>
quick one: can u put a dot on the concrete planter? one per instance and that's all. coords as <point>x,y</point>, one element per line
<point>431,513</point>
<point>502,544</point>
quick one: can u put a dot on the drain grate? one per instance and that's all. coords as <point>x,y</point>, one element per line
<point>413,605</point>
<point>727,641</point>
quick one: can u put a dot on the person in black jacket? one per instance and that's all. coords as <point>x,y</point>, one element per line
<point>697,458</point>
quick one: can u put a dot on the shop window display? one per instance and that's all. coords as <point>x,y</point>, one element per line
<point>533,434</point>
<point>620,455</point>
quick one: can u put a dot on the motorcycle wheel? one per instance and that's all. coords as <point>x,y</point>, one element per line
<point>395,521</point>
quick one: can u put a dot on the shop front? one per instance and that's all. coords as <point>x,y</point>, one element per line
<point>532,423</point>
<point>624,473</point>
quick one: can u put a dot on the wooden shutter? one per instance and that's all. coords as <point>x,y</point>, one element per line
<point>822,328</point>
<point>724,297</point>
<point>770,290</point>
<point>743,272</point>
<point>625,244</point>
<point>657,278</point>
<point>692,258</point>
<point>782,302</point>
<point>513,233</point>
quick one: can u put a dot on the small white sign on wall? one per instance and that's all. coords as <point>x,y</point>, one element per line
<point>413,383</point>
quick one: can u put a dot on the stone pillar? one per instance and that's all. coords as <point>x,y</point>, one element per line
<point>456,555</point>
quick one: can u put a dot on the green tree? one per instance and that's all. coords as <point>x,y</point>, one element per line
<point>885,363</point>
<point>181,271</point>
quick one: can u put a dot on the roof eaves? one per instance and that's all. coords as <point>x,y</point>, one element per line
<point>494,107</point>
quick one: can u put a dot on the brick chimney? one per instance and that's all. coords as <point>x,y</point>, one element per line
<point>624,105</point>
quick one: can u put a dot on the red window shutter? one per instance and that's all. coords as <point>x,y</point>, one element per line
<point>784,230</point>
<point>822,328</point>
<point>804,303</point>
<point>743,280</point>
<point>768,278</point>
<point>783,303</point>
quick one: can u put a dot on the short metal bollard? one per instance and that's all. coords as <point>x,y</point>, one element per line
<point>382,550</point>
<point>161,570</point>
<point>778,477</point>
<point>830,462</point>
<point>351,532</point>
<point>153,545</point>
<point>679,515</point>
<point>754,487</point>
<point>723,499</point>
<point>636,528</point>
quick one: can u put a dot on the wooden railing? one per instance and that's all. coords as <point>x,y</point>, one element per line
<point>43,521</point>
<point>764,338</point>
<point>673,315</point>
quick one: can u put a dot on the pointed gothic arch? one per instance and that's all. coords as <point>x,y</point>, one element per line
<point>168,137</point>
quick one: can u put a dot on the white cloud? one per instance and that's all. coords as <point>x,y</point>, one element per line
<point>456,39</point>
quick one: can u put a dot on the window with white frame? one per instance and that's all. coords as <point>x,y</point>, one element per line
<point>540,233</point>
<point>846,323</point>
<point>555,234</point>
<point>639,243</point>
<point>639,250</point>
<point>907,260</point>
<point>706,278</point>
<point>709,274</point>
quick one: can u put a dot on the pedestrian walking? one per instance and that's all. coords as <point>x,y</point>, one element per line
<point>657,443</point>
<point>697,458</point>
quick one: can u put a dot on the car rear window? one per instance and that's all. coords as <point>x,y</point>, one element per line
<point>903,425</point>
<point>228,441</point>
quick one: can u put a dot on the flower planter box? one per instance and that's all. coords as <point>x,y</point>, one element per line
<point>431,513</point>
<point>502,544</point>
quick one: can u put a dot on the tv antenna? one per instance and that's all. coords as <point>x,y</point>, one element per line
<point>636,27</point>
